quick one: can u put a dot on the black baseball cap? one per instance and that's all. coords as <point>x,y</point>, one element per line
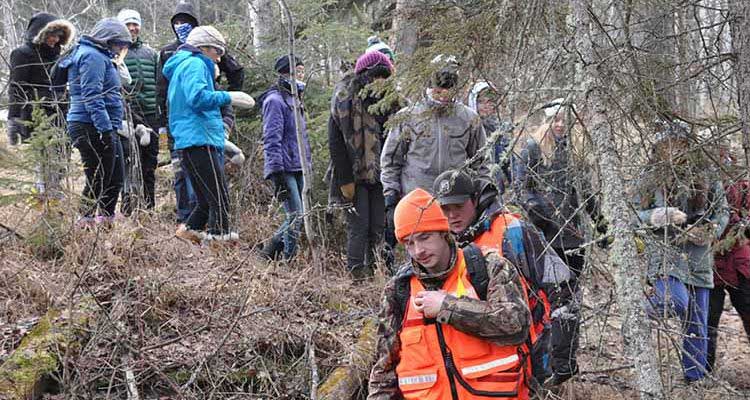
<point>453,187</point>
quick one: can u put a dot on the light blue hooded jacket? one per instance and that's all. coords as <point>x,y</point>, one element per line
<point>194,104</point>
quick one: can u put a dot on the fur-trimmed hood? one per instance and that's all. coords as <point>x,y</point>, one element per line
<point>42,23</point>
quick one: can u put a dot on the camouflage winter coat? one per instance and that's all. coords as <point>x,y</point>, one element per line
<point>503,318</point>
<point>355,136</point>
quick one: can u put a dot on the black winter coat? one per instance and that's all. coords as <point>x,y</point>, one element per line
<point>30,65</point>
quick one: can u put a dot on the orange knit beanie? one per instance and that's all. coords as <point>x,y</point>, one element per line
<point>418,211</point>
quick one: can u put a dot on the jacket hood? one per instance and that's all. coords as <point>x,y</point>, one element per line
<point>107,30</point>
<point>474,94</point>
<point>42,23</point>
<point>187,10</point>
<point>183,53</point>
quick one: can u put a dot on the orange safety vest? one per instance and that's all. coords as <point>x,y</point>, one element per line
<point>435,357</point>
<point>493,238</point>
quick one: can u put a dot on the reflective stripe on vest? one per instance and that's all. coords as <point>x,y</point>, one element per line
<point>490,364</point>
<point>417,379</point>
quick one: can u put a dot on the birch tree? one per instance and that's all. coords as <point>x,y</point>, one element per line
<point>597,82</point>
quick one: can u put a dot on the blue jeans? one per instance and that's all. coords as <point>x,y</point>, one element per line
<point>184,192</point>
<point>690,304</point>
<point>288,232</point>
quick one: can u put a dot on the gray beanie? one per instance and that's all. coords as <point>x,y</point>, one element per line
<point>206,35</point>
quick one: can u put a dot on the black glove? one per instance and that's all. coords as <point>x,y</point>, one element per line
<point>564,346</point>
<point>280,190</point>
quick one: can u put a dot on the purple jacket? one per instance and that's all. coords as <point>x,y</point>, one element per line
<point>279,137</point>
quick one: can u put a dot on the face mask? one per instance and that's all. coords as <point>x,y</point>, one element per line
<point>182,31</point>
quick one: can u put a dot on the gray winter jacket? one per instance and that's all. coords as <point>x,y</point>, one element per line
<point>669,253</point>
<point>428,139</point>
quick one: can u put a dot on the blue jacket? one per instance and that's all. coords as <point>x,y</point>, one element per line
<point>94,86</point>
<point>280,148</point>
<point>194,104</point>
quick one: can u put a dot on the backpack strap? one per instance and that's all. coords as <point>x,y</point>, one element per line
<point>476,267</point>
<point>402,290</point>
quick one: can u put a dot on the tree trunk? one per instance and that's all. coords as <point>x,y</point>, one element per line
<point>9,21</point>
<point>262,17</point>
<point>307,176</point>
<point>740,17</point>
<point>597,83</point>
<point>404,28</point>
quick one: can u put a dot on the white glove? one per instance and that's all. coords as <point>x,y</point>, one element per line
<point>241,100</point>
<point>236,156</point>
<point>667,215</point>
<point>143,133</point>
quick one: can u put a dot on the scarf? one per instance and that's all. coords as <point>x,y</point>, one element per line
<point>182,31</point>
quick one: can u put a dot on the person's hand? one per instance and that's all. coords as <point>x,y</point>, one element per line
<point>144,134</point>
<point>702,235</point>
<point>235,154</point>
<point>667,215</point>
<point>163,130</point>
<point>241,100</point>
<point>279,186</point>
<point>348,191</point>
<point>428,302</point>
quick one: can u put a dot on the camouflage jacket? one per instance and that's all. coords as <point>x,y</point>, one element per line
<point>502,319</point>
<point>355,136</point>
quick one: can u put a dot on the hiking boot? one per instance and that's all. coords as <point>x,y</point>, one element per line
<point>271,250</point>
<point>183,232</point>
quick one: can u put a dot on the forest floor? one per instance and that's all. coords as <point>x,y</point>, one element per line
<point>190,321</point>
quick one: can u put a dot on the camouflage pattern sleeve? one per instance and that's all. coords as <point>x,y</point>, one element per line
<point>383,383</point>
<point>503,318</point>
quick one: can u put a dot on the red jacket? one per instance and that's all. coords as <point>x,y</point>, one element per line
<point>730,266</point>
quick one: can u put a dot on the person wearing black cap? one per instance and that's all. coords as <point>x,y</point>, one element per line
<point>476,216</point>
<point>433,135</point>
<point>282,159</point>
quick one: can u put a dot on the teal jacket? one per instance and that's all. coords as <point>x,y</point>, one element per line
<point>194,104</point>
<point>142,62</point>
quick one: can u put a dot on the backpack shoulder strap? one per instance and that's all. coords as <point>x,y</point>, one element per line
<point>402,290</point>
<point>476,267</point>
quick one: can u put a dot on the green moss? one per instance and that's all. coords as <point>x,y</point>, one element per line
<point>22,375</point>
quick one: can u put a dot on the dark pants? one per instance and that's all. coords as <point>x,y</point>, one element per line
<point>203,165</point>
<point>564,332</point>
<point>365,225</point>
<point>148,157</point>
<point>101,155</point>
<point>740,298</point>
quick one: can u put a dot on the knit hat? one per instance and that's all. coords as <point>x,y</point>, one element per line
<point>446,73</point>
<point>369,60</point>
<point>375,44</point>
<point>207,35</point>
<point>127,16</point>
<point>418,212</point>
<point>282,64</point>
